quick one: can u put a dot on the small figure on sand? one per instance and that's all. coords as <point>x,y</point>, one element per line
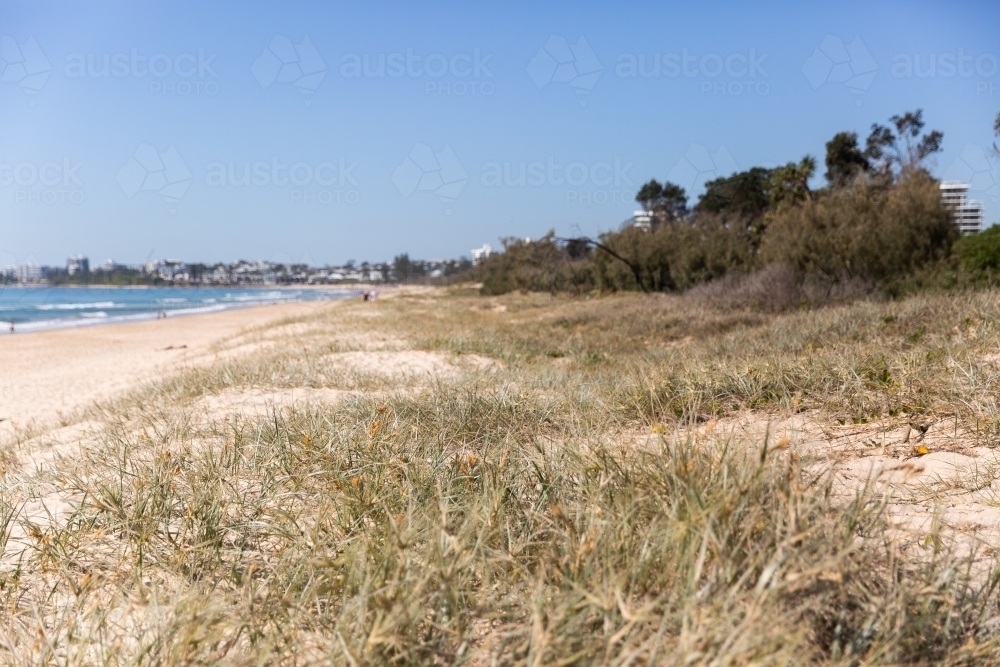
<point>12,326</point>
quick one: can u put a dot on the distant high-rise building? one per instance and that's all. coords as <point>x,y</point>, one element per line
<point>642,219</point>
<point>77,264</point>
<point>29,273</point>
<point>968,213</point>
<point>480,255</point>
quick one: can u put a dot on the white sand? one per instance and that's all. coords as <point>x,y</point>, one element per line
<point>45,374</point>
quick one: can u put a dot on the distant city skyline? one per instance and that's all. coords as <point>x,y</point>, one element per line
<point>177,272</point>
<point>315,133</point>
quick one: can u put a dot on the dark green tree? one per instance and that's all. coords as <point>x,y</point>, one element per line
<point>649,194</point>
<point>401,267</point>
<point>900,153</point>
<point>844,159</point>
<point>743,194</point>
<point>980,253</point>
<point>996,131</point>
<point>790,183</point>
<point>667,202</point>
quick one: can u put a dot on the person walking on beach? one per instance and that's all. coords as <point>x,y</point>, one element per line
<point>12,326</point>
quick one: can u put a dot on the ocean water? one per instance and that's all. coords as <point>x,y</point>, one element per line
<point>38,308</point>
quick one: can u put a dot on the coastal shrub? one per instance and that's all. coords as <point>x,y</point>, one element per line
<point>674,255</point>
<point>979,254</point>
<point>540,265</point>
<point>863,235</point>
<point>862,232</point>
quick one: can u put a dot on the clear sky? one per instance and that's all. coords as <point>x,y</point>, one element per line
<point>327,131</point>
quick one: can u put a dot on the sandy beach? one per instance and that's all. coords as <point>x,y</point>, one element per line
<point>52,373</point>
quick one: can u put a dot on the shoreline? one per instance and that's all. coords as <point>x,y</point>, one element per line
<point>353,286</point>
<point>58,371</point>
<point>103,319</point>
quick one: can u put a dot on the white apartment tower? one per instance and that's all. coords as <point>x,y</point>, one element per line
<point>77,264</point>
<point>480,255</point>
<point>969,213</point>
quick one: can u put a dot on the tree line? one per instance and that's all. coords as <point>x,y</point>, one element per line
<point>877,223</point>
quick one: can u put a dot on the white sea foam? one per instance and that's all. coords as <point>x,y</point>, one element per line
<point>79,306</point>
<point>74,315</point>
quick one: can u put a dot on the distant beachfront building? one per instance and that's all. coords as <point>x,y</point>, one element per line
<point>969,213</point>
<point>29,273</point>
<point>167,269</point>
<point>253,273</point>
<point>220,275</point>
<point>173,269</point>
<point>77,264</point>
<point>642,219</point>
<point>480,255</point>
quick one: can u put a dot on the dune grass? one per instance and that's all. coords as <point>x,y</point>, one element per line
<point>554,494</point>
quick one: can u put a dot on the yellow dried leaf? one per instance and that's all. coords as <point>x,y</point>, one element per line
<point>659,428</point>
<point>921,450</point>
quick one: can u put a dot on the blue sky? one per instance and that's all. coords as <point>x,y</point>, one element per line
<point>128,127</point>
